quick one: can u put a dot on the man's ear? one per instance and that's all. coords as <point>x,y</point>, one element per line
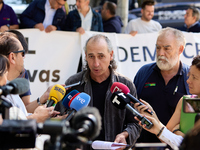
<point>111,55</point>
<point>12,58</point>
<point>141,11</point>
<point>181,48</point>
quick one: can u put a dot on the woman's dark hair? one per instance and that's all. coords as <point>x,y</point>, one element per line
<point>196,62</point>
<point>4,64</point>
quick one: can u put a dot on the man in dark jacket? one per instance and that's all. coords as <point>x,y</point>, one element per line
<point>44,14</point>
<point>191,17</point>
<point>83,19</point>
<point>111,23</point>
<point>163,83</point>
<point>118,125</point>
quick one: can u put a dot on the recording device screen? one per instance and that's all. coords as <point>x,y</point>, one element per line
<point>191,105</point>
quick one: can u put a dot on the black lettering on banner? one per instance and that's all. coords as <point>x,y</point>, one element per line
<point>43,73</point>
<point>32,78</point>
<point>197,49</point>
<point>184,51</point>
<point>132,54</point>
<point>30,51</point>
<point>145,48</point>
<point>55,74</point>
<point>125,53</point>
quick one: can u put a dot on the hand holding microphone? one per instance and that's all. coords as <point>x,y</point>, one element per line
<point>120,100</point>
<point>117,86</point>
<point>56,94</point>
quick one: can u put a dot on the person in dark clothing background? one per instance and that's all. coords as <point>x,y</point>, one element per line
<point>111,22</point>
<point>191,20</point>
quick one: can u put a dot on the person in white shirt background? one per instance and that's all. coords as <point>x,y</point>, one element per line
<point>145,24</point>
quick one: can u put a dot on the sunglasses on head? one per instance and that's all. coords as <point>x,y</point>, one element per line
<point>22,51</point>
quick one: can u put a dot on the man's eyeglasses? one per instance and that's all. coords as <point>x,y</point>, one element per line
<point>22,51</point>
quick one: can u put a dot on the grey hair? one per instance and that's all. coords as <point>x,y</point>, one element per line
<point>96,38</point>
<point>180,38</point>
<point>195,12</point>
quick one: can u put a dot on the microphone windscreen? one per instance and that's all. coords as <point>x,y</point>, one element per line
<point>117,86</point>
<point>80,101</point>
<point>20,86</point>
<point>68,97</point>
<point>57,93</point>
<point>88,113</point>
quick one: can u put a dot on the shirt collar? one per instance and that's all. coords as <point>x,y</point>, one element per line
<point>192,24</point>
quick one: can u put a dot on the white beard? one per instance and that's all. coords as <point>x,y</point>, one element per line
<point>166,64</point>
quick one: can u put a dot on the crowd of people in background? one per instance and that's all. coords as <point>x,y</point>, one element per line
<point>161,85</point>
<point>54,15</point>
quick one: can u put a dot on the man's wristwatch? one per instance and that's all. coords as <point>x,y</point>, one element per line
<point>38,101</point>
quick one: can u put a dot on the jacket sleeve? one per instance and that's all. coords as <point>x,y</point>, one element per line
<point>26,18</point>
<point>101,24</point>
<point>133,128</point>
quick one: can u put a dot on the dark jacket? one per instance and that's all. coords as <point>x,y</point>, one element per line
<point>115,120</point>
<point>73,21</point>
<point>195,28</point>
<point>113,24</point>
<point>35,13</point>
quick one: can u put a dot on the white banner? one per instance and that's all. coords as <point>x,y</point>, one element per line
<point>53,57</point>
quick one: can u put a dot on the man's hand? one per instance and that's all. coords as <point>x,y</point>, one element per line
<point>42,113</point>
<point>80,30</point>
<point>133,33</point>
<point>4,28</point>
<point>121,138</point>
<point>39,26</point>
<point>45,96</point>
<point>50,28</point>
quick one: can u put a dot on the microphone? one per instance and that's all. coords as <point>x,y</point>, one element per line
<point>119,100</point>
<point>117,86</point>
<point>78,102</point>
<point>16,86</point>
<point>87,122</point>
<point>56,94</point>
<point>71,85</point>
<point>68,97</point>
<point>5,103</point>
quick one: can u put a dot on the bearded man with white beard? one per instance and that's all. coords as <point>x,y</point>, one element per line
<point>163,83</point>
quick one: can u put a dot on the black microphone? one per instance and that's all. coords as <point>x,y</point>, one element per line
<point>87,122</point>
<point>16,86</point>
<point>119,100</point>
<point>117,86</point>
